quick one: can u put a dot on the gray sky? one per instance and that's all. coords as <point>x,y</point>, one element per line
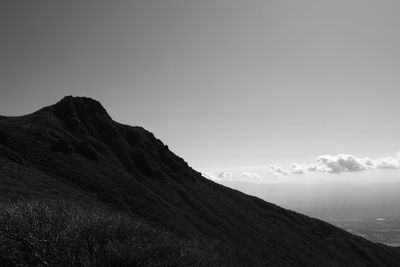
<point>223,83</point>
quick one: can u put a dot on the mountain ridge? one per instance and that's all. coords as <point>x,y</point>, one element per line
<point>74,150</point>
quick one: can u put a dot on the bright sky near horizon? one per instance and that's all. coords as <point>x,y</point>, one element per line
<point>223,83</point>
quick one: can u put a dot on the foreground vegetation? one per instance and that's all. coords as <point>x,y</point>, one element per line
<point>36,233</point>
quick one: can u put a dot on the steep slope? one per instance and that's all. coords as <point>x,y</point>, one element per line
<point>74,150</point>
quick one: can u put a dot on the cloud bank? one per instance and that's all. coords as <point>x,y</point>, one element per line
<point>333,164</point>
<point>346,163</point>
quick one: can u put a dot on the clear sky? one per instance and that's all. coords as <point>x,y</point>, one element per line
<point>223,83</point>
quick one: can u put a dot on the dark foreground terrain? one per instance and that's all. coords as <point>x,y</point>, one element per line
<point>73,151</point>
<point>59,234</point>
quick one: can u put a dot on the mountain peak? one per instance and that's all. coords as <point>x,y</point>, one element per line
<point>81,108</point>
<point>82,114</point>
<point>74,104</point>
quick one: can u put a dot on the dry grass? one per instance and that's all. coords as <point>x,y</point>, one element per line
<point>34,233</point>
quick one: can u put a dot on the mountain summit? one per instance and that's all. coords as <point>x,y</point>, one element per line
<point>74,151</point>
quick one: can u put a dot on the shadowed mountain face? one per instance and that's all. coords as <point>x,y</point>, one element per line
<point>73,150</point>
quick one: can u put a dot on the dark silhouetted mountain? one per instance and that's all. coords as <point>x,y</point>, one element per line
<point>74,151</point>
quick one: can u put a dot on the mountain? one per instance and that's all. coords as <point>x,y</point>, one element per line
<point>74,151</point>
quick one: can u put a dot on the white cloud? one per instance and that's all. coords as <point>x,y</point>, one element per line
<point>346,163</point>
<point>250,175</point>
<point>342,163</point>
<point>388,163</point>
<point>224,175</point>
<point>299,168</point>
<point>304,168</point>
<point>277,171</point>
<point>210,176</point>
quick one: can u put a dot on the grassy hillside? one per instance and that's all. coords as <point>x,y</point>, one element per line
<point>36,233</point>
